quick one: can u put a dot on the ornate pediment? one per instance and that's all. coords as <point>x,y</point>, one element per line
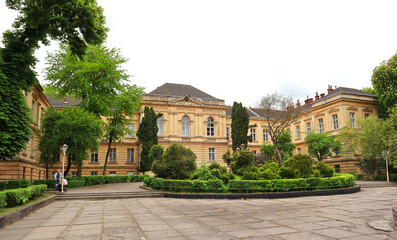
<point>368,109</point>
<point>332,110</point>
<point>319,114</point>
<point>352,109</point>
<point>186,101</point>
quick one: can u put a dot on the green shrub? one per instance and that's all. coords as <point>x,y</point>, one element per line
<point>3,185</point>
<point>268,174</point>
<point>301,162</point>
<point>286,172</point>
<point>204,173</point>
<point>74,178</point>
<point>19,183</point>
<point>248,186</point>
<point>18,196</point>
<point>242,159</point>
<point>226,177</point>
<point>173,185</point>
<point>76,183</point>
<point>138,178</point>
<point>325,170</point>
<point>243,169</point>
<point>248,175</point>
<point>3,199</point>
<point>94,180</point>
<point>49,182</point>
<point>317,174</point>
<point>360,176</point>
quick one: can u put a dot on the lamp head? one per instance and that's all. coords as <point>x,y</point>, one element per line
<point>64,148</point>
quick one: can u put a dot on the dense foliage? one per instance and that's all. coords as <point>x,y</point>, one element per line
<point>76,128</point>
<point>147,134</point>
<point>240,125</point>
<point>177,162</point>
<point>74,22</point>
<point>18,196</point>
<point>384,81</point>
<point>321,145</point>
<point>285,147</point>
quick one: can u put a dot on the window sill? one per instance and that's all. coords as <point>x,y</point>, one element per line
<point>94,163</point>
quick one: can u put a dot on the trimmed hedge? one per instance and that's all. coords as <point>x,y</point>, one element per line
<point>250,186</point>
<point>3,185</point>
<point>13,197</point>
<point>75,183</point>
<point>49,182</point>
<point>19,183</point>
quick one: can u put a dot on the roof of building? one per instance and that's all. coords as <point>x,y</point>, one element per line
<point>350,91</point>
<point>62,102</point>
<point>180,90</point>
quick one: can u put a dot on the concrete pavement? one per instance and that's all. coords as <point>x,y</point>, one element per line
<point>324,217</point>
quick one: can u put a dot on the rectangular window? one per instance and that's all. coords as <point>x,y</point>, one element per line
<point>112,173</point>
<point>132,128</point>
<point>211,154</point>
<point>265,135</point>
<point>253,134</point>
<point>298,132</point>
<point>94,173</point>
<point>366,115</point>
<point>94,156</point>
<point>308,128</point>
<point>352,119</point>
<point>335,124</point>
<point>299,150</point>
<point>337,168</point>
<point>130,155</point>
<point>320,125</point>
<point>112,155</point>
<point>228,134</point>
<point>74,174</point>
<point>254,152</point>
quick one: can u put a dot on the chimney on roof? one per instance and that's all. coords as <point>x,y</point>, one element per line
<point>308,101</point>
<point>298,105</point>
<point>330,90</point>
<point>317,97</point>
<point>290,108</point>
<point>322,95</point>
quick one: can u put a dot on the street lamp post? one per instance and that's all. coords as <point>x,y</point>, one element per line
<point>386,156</point>
<point>64,148</point>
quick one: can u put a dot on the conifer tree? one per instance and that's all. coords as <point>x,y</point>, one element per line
<point>147,134</point>
<point>240,121</point>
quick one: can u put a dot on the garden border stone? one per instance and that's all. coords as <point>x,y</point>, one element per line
<point>272,195</point>
<point>23,212</point>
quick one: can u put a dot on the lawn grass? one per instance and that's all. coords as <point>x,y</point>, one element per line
<point>6,210</point>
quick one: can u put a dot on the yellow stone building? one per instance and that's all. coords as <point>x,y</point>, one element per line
<point>202,122</point>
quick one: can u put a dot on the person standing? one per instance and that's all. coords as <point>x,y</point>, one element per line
<point>57,177</point>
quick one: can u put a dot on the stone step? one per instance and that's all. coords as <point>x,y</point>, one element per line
<point>105,196</point>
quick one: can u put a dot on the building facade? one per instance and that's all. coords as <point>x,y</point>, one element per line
<point>202,123</point>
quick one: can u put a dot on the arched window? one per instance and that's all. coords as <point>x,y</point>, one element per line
<point>160,126</point>
<point>185,126</point>
<point>210,127</point>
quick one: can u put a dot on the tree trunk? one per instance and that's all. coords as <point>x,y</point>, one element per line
<point>280,158</point>
<point>68,166</point>
<point>79,171</point>
<point>46,168</point>
<point>107,154</point>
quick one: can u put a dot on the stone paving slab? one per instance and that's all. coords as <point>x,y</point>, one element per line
<point>323,217</point>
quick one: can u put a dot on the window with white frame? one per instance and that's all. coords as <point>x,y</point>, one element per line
<point>130,155</point>
<point>94,173</point>
<point>227,133</point>
<point>112,155</point>
<point>352,119</point>
<point>210,127</point>
<point>185,126</point>
<point>321,125</point>
<point>366,115</point>
<point>308,128</point>
<point>160,125</point>
<point>74,174</point>
<point>299,150</point>
<point>112,173</point>
<point>335,124</point>
<point>131,127</point>
<point>211,154</point>
<point>253,134</point>
<point>265,135</point>
<point>94,156</point>
<point>298,132</point>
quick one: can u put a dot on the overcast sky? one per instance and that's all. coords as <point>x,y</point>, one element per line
<point>240,50</point>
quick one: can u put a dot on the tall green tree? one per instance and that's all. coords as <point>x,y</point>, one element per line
<point>389,135</point>
<point>384,81</point>
<point>240,125</point>
<point>75,22</point>
<point>364,144</point>
<point>77,128</point>
<point>279,113</point>
<point>102,85</point>
<point>321,145</point>
<point>285,145</point>
<point>147,134</point>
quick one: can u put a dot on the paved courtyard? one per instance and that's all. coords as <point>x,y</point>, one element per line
<point>326,217</point>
